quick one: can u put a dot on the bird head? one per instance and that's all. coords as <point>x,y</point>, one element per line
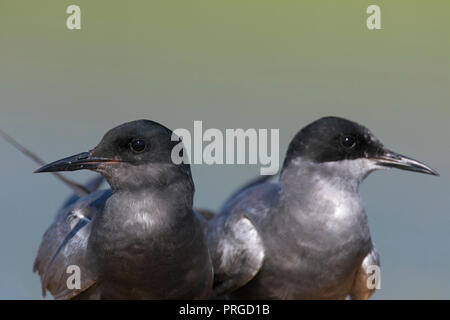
<point>349,148</point>
<point>130,155</point>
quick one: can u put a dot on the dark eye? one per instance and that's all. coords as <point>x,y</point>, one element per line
<point>348,142</point>
<point>137,145</point>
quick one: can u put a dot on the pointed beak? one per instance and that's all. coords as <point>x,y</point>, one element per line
<point>83,160</point>
<point>394,160</point>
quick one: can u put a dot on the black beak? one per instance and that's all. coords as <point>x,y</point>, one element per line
<point>395,160</point>
<point>83,160</point>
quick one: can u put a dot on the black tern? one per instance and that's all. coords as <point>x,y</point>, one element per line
<point>307,236</point>
<point>139,240</point>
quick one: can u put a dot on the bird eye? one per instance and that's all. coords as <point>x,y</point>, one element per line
<point>137,145</point>
<point>348,142</point>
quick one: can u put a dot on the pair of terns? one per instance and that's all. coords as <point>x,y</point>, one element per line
<point>305,237</point>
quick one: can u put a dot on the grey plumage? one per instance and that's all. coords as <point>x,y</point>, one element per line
<point>139,240</point>
<point>307,236</point>
<point>60,247</point>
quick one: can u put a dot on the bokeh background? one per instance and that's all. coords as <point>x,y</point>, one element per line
<point>249,64</point>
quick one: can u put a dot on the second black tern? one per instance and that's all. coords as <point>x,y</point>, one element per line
<point>307,236</point>
<point>139,240</point>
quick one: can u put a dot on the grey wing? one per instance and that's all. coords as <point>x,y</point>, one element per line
<point>233,198</point>
<point>367,279</point>
<point>64,244</point>
<point>234,236</point>
<point>238,254</point>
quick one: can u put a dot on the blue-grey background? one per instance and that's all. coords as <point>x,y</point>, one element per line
<point>249,64</point>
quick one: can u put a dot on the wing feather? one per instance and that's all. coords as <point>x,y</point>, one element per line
<point>238,256</point>
<point>64,244</point>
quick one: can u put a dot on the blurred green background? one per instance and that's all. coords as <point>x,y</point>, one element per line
<point>249,64</point>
